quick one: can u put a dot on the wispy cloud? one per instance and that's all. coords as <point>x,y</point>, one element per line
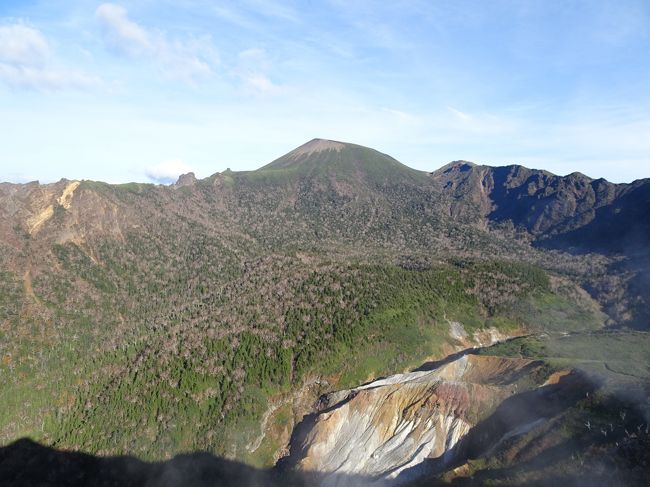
<point>252,69</point>
<point>190,59</point>
<point>22,45</point>
<point>274,10</point>
<point>26,62</point>
<point>234,17</point>
<point>255,14</point>
<point>478,124</point>
<point>167,172</point>
<point>122,33</point>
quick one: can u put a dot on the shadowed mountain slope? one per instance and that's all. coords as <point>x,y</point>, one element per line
<point>570,212</point>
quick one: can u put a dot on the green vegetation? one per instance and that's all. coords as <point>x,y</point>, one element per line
<point>618,356</point>
<point>201,353</point>
<point>152,320</point>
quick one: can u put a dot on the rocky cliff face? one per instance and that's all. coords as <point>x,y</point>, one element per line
<point>386,430</point>
<point>563,211</point>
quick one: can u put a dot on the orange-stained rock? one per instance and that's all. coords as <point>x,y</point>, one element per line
<point>381,429</point>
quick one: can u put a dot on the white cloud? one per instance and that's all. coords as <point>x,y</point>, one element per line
<point>22,45</point>
<point>46,79</point>
<point>459,114</point>
<point>25,62</point>
<point>252,69</point>
<point>121,32</point>
<point>188,59</point>
<point>167,172</point>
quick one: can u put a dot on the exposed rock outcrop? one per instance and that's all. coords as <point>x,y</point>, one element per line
<point>385,429</point>
<point>188,179</point>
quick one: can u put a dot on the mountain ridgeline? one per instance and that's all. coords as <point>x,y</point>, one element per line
<point>211,314</point>
<point>573,212</point>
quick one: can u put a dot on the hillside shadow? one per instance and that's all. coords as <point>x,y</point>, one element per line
<point>26,463</point>
<point>435,364</point>
<point>619,228</point>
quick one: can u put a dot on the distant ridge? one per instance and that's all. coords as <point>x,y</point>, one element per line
<point>562,211</point>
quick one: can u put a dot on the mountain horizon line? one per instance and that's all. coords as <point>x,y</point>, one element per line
<point>317,145</point>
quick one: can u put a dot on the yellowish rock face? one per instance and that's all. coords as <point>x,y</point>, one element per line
<point>35,222</point>
<point>65,199</point>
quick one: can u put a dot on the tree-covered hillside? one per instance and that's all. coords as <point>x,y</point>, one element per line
<point>152,320</point>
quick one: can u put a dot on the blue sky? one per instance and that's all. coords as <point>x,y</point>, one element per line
<point>143,90</point>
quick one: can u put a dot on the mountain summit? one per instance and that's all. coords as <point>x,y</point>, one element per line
<point>343,160</point>
<point>318,145</point>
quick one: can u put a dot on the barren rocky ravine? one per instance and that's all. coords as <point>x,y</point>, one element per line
<point>389,430</point>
